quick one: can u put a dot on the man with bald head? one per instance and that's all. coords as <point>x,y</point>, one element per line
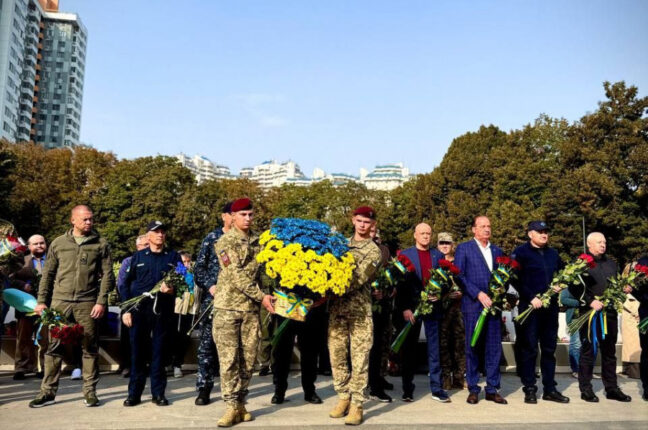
<point>476,259</point>
<point>76,280</point>
<point>424,259</point>
<point>26,351</point>
<point>595,284</point>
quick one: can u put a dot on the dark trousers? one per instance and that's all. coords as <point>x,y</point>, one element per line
<point>540,327</point>
<point>180,338</point>
<point>492,352</point>
<point>452,344</point>
<point>381,335</point>
<point>643,341</point>
<point>149,337</point>
<point>124,346</point>
<point>607,348</point>
<point>432,334</point>
<point>282,353</point>
<point>408,353</point>
<point>207,355</point>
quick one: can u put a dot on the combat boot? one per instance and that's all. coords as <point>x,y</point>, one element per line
<point>341,409</point>
<point>230,417</point>
<point>244,415</point>
<point>355,416</point>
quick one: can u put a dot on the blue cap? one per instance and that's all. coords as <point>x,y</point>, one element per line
<point>538,226</point>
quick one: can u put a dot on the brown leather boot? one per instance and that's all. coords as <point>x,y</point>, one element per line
<point>447,382</point>
<point>354,417</point>
<point>230,417</point>
<point>341,409</point>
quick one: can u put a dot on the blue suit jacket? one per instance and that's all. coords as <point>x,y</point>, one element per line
<point>410,292</point>
<point>475,273</point>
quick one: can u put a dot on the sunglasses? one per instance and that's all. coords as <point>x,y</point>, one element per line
<point>443,242</point>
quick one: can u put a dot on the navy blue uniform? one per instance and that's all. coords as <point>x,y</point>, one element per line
<point>206,274</point>
<point>152,319</point>
<point>537,268</point>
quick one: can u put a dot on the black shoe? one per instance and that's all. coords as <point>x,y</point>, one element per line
<point>589,396</point>
<point>278,398</point>
<point>42,400</point>
<point>131,401</point>
<point>381,396</point>
<point>408,397</point>
<point>160,401</point>
<point>265,371</point>
<point>617,394</point>
<point>203,397</point>
<point>555,396</point>
<point>313,398</point>
<point>40,375</point>
<point>387,385</point>
<point>19,376</point>
<point>530,397</point>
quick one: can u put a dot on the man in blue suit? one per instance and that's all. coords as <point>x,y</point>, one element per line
<point>476,259</point>
<point>423,258</point>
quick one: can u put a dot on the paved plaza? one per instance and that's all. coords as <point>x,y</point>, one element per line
<point>424,413</point>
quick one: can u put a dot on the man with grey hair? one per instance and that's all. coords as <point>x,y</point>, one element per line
<point>595,284</point>
<point>124,337</point>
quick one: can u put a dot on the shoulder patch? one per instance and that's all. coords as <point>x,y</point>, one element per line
<point>224,258</point>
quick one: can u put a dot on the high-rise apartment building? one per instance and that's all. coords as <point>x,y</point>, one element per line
<point>42,66</point>
<point>203,168</point>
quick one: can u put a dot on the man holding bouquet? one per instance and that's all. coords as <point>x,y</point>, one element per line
<point>476,259</point>
<point>237,299</point>
<point>150,322</point>
<point>76,280</point>
<point>424,258</point>
<point>595,285</point>
<point>351,325</point>
<point>538,263</point>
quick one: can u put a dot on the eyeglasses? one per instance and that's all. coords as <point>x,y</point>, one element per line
<point>443,242</point>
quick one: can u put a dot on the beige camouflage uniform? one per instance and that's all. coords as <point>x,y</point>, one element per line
<point>350,325</point>
<point>236,325</point>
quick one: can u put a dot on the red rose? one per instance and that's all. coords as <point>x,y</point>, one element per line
<point>55,332</point>
<point>454,270</point>
<point>504,260</point>
<point>78,330</point>
<point>588,259</point>
<point>406,262</point>
<point>445,264</point>
<point>515,264</point>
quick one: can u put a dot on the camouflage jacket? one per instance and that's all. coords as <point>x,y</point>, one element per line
<point>207,266</point>
<point>237,287</point>
<point>357,300</point>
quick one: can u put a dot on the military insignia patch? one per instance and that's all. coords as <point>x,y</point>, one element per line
<point>224,258</point>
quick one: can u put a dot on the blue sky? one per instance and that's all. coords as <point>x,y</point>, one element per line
<point>343,84</point>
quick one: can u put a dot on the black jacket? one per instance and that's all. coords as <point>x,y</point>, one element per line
<point>596,282</point>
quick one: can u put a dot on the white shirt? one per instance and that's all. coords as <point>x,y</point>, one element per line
<point>486,252</point>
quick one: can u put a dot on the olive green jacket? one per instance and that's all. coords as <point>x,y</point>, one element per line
<point>77,273</point>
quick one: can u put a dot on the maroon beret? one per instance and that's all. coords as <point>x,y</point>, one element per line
<point>366,211</point>
<point>241,205</point>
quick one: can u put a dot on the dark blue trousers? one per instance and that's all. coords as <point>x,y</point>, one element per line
<point>149,336</point>
<point>492,337</point>
<point>540,327</point>
<point>432,334</point>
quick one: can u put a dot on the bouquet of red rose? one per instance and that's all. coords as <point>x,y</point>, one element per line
<point>389,277</point>
<point>571,274</point>
<point>59,327</point>
<point>497,286</point>
<point>441,280</point>
<point>613,297</point>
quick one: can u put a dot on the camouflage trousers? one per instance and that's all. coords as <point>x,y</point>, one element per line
<point>452,344</point>
<point>207,355</point>
<point>354,334</point>
<point>236,334</point>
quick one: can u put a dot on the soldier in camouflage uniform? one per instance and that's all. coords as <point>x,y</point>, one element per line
<point>206,274</point>
<point>236,325</point>
<point>350,323</point>
<point>452,337</point>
